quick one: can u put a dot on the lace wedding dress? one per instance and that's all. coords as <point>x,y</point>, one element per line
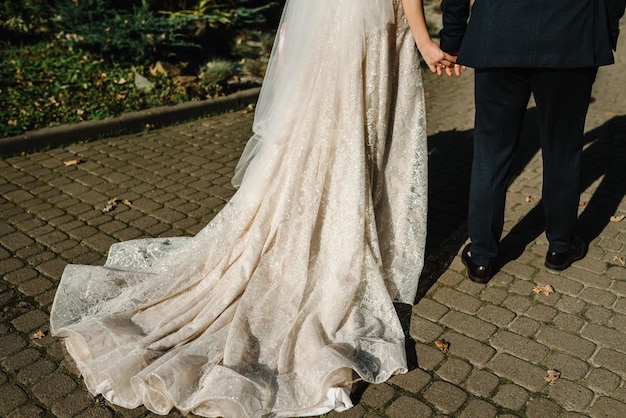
<point>285,298</point>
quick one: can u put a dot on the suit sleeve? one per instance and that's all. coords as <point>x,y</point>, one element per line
<point>455,14</point>
<point>615,11</point>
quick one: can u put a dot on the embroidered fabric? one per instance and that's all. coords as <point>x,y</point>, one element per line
<point>285,297</point>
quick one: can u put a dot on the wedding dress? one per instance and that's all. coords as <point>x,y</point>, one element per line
<point>286,297</point>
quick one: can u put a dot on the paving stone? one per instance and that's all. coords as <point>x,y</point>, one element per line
<point>568,322</point>
<point>15,241</point>
<point>27,411</point>
<point>616,272</point>
<point>72,404</point>
<point>612,360</point>
<point>20,360</point>
<point>11,397</point>
<point>496,315</point>
<point>425,330</point>
<point>511,396</point>
<point>597,296</point>
<point>522,325</point>
<point>9,265</point>
<point>494,295</point>
<point>602,381</point>
<point>564,341</point>
<point>605,336</point>
<point>542,408</point>
<point>468,325</point>
<point>405,406</point>
<point>428,357</point>
<point>475,352</point>
<point>413,381</point>
<point>11,343</point>
<point>478,408</point>
<point>97,411</point>
<point>518,371</point>
<point>570,305</point>
<point>31,321</point>
<point>598,314</point>
<point>482,383</point>
<point>35,286</point>
<point>587,278</point>
<point>620,305</point>
<point>377,396</point>
<point>461,301</point>
<point>519,346</point>
<point>542,313</point>
<point>445,397</point>
<point>36,371</point>
<point>517,304</point>
<point>99,242</point>
<point>429,309</point>
<point>570,367</point>
<point>618,322</point>
<point>454,370</point>
<point>607,407</point>
<point>570,395</point>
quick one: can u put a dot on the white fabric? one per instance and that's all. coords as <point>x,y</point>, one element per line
<point>285,297</point>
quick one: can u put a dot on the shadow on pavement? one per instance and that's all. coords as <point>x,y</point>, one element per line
<point>450,161</point>
<point>604,161</point>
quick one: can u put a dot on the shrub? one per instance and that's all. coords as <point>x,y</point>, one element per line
<point>137,36</point>
<point>47,84</point>
<point>23,19</point>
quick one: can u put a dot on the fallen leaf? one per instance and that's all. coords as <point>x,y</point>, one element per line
<point>108,208</point>
<point>529,199</point>
<point>552,376</point>
<point>619,218</point>
<point>620,260</point>
<point>72,162</point>
<point>442,345</point>
<point>112,204</point>
<point>37,335</point>
<point>545,290</point>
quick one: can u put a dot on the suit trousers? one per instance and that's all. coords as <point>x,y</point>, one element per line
<point>562,98</point>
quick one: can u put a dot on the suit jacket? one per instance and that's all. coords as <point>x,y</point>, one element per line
<point>531,33</point>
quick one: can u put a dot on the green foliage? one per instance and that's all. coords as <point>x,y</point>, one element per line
<point>137,36</point>
<point>21,19</point>
<point>47,84</point>
<point>215,24</point>
<point>64,61</point>
<point>215,75</point>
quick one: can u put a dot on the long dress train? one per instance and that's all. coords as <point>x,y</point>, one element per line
<point>286,295</point>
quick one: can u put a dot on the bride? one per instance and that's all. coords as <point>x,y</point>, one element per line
<point>285,299</point>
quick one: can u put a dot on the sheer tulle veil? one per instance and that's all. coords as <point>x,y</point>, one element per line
<point>301,44</point>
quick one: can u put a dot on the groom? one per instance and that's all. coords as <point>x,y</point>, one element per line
<point>551,49</point>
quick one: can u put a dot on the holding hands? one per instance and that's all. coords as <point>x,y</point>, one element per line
<point>437,60</point>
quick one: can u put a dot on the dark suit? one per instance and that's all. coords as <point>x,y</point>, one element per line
<point>517,47</point>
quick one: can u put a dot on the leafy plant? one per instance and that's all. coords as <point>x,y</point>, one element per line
<point>47,84</point>
<point>137,36</point>
<point>22,19</point>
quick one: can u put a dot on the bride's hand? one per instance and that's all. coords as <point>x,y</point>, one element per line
<point>437,60</point>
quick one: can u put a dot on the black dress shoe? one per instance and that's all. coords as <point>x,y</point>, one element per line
<point>561,261</point>
<point>476,273</point>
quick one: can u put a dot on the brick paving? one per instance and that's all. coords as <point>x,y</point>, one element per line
<point>503,338</point>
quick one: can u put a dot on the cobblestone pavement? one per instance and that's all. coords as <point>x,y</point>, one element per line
<point>503,337</point>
